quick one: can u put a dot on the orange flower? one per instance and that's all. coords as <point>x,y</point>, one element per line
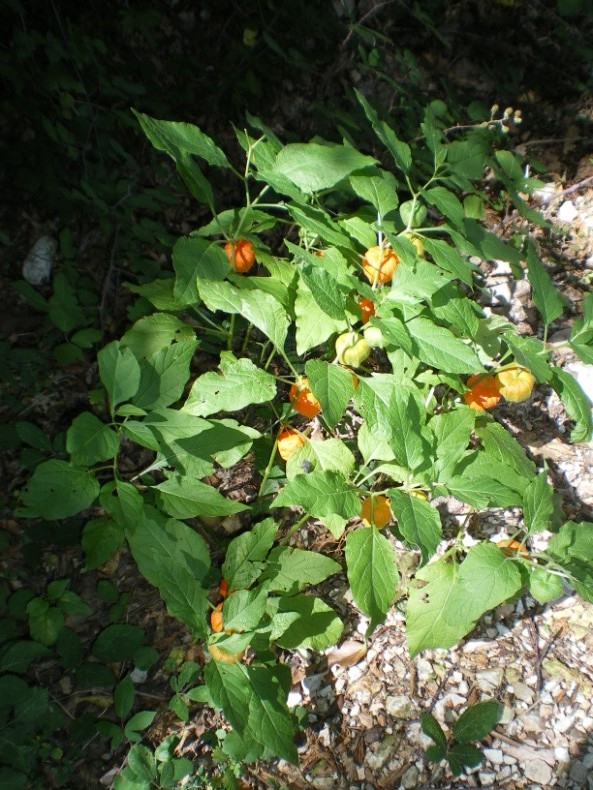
<point>483,392</point>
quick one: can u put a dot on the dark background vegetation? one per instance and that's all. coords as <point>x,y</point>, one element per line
<point>74,165</point>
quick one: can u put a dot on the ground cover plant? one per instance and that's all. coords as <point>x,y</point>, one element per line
<point>354,372</point>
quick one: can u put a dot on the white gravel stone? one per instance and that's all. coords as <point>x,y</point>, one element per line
<point>312,683</point>
<point>562,754</point>
<point>494,756</point>
<point>489,680</point>
<point>567,212</point>
<point>487,778</point>
<point>538,771</point>
<point>410,778</point>
<point>398,706</point>
<point>294,698</point>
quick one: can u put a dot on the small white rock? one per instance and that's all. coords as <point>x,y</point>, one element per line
<point>39,262</point>
<point>138,675</point>
<point>410,778</point>
<point>567,212</point>
<point>294,698</point>
<point>538,771</point>
<point>494,756</point>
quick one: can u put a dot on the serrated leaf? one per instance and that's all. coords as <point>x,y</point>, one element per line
<point>572,548</point>
<point>182,497</point>
<point>325,290</point>
<point>468,157</point>
<point>576,403</point>
<point>155,332</point>
<point>119,371</point>
<point>379,188</point>
<point>117,642</point>
<point>305,622</point>
<point>329,454</point>
<point>538,504</point>
<point>449,259</point>
<point>239,384</point>
<point>18,656</point>
<point>400,151</point>
<point>477,721</point>
<point>289,570</point>
<point>243,609</point>
<point>446,202</point>
<point>123,502</point>
<point>545,296</point>
<point>502,446</point>
<point>101,538</point>
<point>453,597</point>
<point>418,521</point>
<point>246,553</point>
<point>332,386</point>
<point>319,222</point>
<point>194,257</point>
<point>313,167</point>
<point>440,349</point>
<point>320,493</point>
<point>372,572</point>
<point>313,325</point>
<point>452,431</point>
<point>89,440</point>
<point>164,374</point>
<point>57,490</point>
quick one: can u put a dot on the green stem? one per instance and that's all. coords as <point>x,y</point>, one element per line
<point>297,525</point>
<point>229,344</point>
<point>268,469</point>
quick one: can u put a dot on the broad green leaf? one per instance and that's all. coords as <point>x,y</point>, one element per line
<point>484,481</point>
<point>320,493</point>
<point>400,151</point>
<point>232,456</point>
<point>531,353</point>
<point>372,572</point>
<point>477,721</point>
<point>229,691</point>
<point>305,622</point>
<point>572,548</point>
<point>406,421</point>
<point>417,282</point>
<point>181,496</point>
<point>450,306</point>
<point>379,188</point>
<point>158,545</point>
<point>511,167</point>
<point>238,384</point>
<point>89,440</point>
<point>545,296</point>
<point>289,570</point>
<point>164,374</point>
<point>449,259</point>
<point>245,555</point>
<point>538,504</point>
<point>261,309</point>
<point>463,755</point>
<point>140,721</point>
<point>544,586</point>
<point>450,598</point>
<point>19,655</point>
<point>159,293</point>
<point>452,431</point>
<point>440,349</point>
<point>475,239</point>
<point>117,642</point>
<point>155,332</point>
<point>446,202</point>
<point>581,335</point>
<point>576,403</point>
<point>331,261</point>
<point>328,454</point>
<point>501,445</point>
<point>321,223</point>
<point>123,697</point>
<point>417,521</point>
<point>313,325</point>
<point>468,157</point>
<point>244,609</point>
<point>194,257</point>
<point>64,311</point>
<point>119,371</point>
<point>123,502</point>
<point>32,435</point>
<point>57,490</point>
<point>333,387</point>
<point>325,290</point>
<point>101,538</point>
<point>313,167</point>
<point>395,333</point>
<point>433,729</point>
<point>45,621</point>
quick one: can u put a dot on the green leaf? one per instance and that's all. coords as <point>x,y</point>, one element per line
<point>239,384</point>
<point>325,290</point>
<point>446,202</point>
<point>499,444</point>
<point>538,504</point>
<point>45,621</point>
<point>581,335</point>
<point>123,697</point>
<point>64,310</point>
<point>450,306</point>
<point>244,609</point>
<point>484,481</point>
<point>328,454</point>
<point>449,259</point>
<point>117,643</point>
<point>417,520</point>
<point>182,497</point>
<point>305,622</point>
<point>289,570</point>
<point>477,721</point>
<point>158,545</point>
<point>320,493</point>
<point>155,332</point>
<point>138,722</point>
<point>18,656</point>
<point>545,586</point>
<point>452,431</point>
<point>332,386</point>
<point>545,296</point>
<point>164,375</point>
<point>379,188</point>
<point>486,244</point>
<point>372,572</point>
<point>119,371</point>
<point>433,729</point>
<point>313,167</point>
<point>123,502</point>
<point>451,598</point>
<point>468,158</point>
<point>32,435</point>
<point>259,308</point>
<point>530,353</point>
<point>463,755</point>
<point>319,222</point>
<point>57,490</point>
<point>400,151</point>
<point>194,257</point>
<point>245,555</point>
<point>572,548</point>
<point>576,403</point>
<point>313,325</point>
<point>89,440</point>
<point>440,349</point>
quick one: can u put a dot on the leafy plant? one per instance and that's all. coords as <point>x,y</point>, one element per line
<point>285,328</point>
<point>475,723</point>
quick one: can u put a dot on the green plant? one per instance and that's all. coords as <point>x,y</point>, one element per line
<point>275,331</point>
<point>475,723</point>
